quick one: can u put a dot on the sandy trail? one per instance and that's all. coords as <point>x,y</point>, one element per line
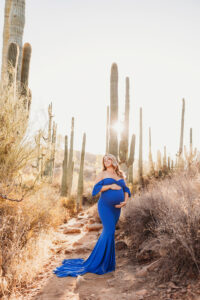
<point>127,282</point>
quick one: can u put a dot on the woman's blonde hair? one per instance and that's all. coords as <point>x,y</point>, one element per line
<point>115,164</point>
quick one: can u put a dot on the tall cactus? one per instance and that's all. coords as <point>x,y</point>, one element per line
<point>180,153</point>
<point>53,150</point>
<point>165,160</point>
<point>70,161</point>
<point>159,164</point>
<point>107,130</point>
<point>151,166</point>
<point>64,169</point>
<point>71,179</point>
<point>140,163</point>
<point>113,134</point>
<point>123,145</point>
<point>47,167</point>
<point>182,127</point>
<point>17,22</point>
<point>131,159</point>
<point>169,163</point>
<point>6,35</point>
<point>191,154</point>
<point>80,177</point>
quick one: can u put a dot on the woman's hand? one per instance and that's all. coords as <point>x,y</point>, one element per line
<point>115,186</point>
<point>121,204</point>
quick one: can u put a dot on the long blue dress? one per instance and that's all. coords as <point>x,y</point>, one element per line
<point>102,258</point>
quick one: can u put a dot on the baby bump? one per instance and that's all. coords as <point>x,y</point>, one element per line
<point>112,197</point>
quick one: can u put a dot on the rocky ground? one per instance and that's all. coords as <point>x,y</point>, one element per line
<point>76,239</point>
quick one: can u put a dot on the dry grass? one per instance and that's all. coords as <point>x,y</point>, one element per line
<point>16,148</point>
<point>163,222</point>
<point>26,227</point>
<point>26,231</point>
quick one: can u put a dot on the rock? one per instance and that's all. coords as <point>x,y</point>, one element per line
<point>111,282</point>
<point>79,224</point>
<point>142,292</point>
<point>71,230</point>
<point>141,273</point>
<point>93,227</point>
<point>148,250</point>
<point>91,221</point>
<point>173,286</point>
<point>77,243</point>
<point>79,281</point>
<point>121,245</point>
<point>80,217</point>
<point>68,251</point>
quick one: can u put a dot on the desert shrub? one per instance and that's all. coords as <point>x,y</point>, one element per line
<point>163,222</point>
<point>25,232</point>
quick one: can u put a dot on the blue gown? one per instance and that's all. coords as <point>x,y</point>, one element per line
<point>102,258</point>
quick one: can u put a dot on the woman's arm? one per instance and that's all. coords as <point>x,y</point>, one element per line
<point>105,188</point>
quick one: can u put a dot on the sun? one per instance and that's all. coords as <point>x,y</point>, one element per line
<point>118,127</point>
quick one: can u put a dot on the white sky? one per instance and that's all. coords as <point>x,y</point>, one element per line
<point>154,42</point>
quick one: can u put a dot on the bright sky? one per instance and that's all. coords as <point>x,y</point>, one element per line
<point>156,43</point>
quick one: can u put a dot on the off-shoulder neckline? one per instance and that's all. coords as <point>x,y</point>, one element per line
<point>110,178</point>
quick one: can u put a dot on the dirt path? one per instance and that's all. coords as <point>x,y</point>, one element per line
<point>76,239</point>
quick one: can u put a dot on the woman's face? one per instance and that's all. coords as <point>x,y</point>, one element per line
<point>107,161</point>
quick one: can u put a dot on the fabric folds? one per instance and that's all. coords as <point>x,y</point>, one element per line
<point>102,258</point>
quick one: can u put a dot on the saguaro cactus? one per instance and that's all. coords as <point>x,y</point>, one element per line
<point>113,134</point>
<point>12,60</point>
<point>25,68</point>
<point>53,150</point>
<point>182,127</point>
<point>131,160</point>
<point>80,177</point>
<point>151,167</point>
<point>169,163</point>
<point>159,164</point>
<point>140,163</point>
<point>180,161</point>
<point>64,169</point>
<point>107,130</point>
<point>70,162</point>
<point>191,154</point>
<point>165,160</point>
<point>16,29</point>
<point>123,145</point>
<point>6,34</point>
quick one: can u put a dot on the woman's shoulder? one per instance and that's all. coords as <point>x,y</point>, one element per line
<point>99,177</point>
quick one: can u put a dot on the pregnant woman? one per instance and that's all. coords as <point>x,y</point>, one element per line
<point>114,194</point>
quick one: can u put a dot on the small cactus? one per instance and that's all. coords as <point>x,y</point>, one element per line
<point>70,161</point>
<point>140,163</point>
<point>164,168</point>
<point>80,177</point>
<point>151,166</point>
<point>26,56</point>
<point>64,169</point>
<point>180,161</point>
<point>192,154</point>
<point>131,159</point>
<point>159,165</point>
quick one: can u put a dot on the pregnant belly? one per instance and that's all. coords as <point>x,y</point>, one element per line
<point>112,197</point>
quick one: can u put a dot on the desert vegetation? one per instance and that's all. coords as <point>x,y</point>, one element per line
<point>162,224</point>
<point>42,185</point>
